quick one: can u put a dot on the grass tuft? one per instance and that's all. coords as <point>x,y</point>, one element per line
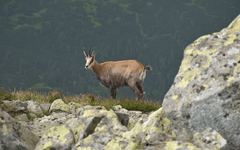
<point>6,95</point>
<point>53,96</point>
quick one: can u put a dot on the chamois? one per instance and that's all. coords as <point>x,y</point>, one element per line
<point>115,74</point>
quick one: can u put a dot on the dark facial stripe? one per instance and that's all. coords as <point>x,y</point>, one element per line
<point>91,61</point>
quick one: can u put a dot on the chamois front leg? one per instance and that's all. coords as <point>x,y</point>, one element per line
<point>113,93</point>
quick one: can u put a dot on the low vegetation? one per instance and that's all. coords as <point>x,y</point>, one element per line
<point>83,99</point>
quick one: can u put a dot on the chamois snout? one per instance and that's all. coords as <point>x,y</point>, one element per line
<point>86,67</point>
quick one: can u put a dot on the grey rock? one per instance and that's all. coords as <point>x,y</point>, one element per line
<point>117,108</point>
<point>205,92</point>
<point>210,139</point>
<point>93,107</point>
<point>184,135</point>
<point>22,117</point>
<point>14,135</point>
<point>59,106</point>
<point>45,107</point>
<point>15,105</point>
<point>123,118</point>
<point>33,107</point>
<point>41,125</point>
<point>57,137</point>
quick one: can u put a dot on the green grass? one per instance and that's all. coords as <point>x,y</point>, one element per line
<point>83,100</point>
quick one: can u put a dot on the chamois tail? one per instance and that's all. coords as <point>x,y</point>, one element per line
<point>148,67</point>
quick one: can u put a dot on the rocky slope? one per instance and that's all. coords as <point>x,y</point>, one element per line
<point>91,127</point>
<point>200,111</point>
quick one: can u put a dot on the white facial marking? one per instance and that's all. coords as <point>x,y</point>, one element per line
<point>88,61</point>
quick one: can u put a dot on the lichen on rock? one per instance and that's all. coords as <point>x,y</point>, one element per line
<point>205,89</point>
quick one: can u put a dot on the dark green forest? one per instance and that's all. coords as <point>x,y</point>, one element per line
<point>41,41</point>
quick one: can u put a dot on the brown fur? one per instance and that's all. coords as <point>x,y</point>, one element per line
<point>115,74</point>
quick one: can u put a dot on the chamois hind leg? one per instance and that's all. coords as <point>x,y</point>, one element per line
<point>113,93</point>
<point>134,87</point>
<point>139,86</point>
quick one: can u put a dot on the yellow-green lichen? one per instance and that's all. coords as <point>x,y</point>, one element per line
<point>172,145</point>
<point>77,130</point>
<point>44,120</point>
<point>175,98</point>
<point>59,105</point>
<point>205,86</point>
<point>5,127</point>
<point>84,148</point>
<point>151,127</point>
<point>185,64</point>
<point>89,113</point>
<point>212,81</point>
<point>138,127</point>
<point>58,134</point>
<point>131,125</point>
<point>188,76</point>
<point>199,40</point>
<point>189,49</point>
<point>231,39</point>
<point>174,136</point>
<point>234,26</point>
<point>230,79</point>
<point>101,129</point>
<point>166,121</point>
<point>2,120</point>
<point>125,142</point>
<point>87,140</point>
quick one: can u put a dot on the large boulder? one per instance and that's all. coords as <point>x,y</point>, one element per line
<point>102,129</point>
<point>15,136</point>
<point>205,92</point>
<point>57,137</point>
<point>59,106</point>
<point>33,107</point>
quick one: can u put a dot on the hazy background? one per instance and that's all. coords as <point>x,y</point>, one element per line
<point>41,40</point>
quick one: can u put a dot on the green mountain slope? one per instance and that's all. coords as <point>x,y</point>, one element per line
<point>41,41</point>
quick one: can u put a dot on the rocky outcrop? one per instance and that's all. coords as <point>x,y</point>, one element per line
<point>205,93</point>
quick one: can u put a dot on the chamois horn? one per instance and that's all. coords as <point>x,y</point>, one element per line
<point>89,51</point>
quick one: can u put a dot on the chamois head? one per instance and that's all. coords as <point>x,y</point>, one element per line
<point>89,58</point>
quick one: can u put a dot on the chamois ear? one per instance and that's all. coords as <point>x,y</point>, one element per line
<point>84,52</point>
<point>93,53</point>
